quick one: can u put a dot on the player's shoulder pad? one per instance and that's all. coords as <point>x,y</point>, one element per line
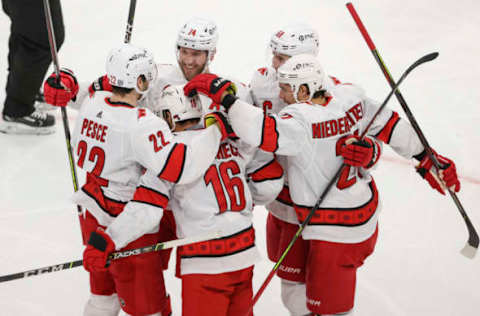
<point>349,89</point>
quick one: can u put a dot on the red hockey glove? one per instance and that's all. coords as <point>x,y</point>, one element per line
<point>222,122</point>
<point>101,84</point>
<point>360,153</point>
<point>213,86</point>
<point>60,93</point>
<point>99,247</point>
<point>447,173</point>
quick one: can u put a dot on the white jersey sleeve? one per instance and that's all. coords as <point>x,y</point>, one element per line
<point>143,213</point>
<point>387,127</point>
<point>265,177</point>
<point>156,149</point>
<point>283,134</point>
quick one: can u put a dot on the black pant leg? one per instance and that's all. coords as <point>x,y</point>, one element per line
<point>29,52</point>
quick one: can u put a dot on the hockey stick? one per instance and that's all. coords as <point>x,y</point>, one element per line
<point>131,15</point>
<point>471,246</point>
<point>66,128</point>
<point>422,60</point>
<point>114,256</point>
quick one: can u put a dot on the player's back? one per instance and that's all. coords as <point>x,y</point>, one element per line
<point>221,198</point>
<point>103,144</point>
<point>312,168</point>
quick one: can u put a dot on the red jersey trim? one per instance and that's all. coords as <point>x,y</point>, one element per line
<point>150,196</point>
<point>271,171</point>
<point>221,247</point>
<point>118,104</point>
<point>386,133</point>
<point>173,168</point>
<point>284,196</point>
<point>269,141</point>
<point>341,216</point>
<point>92,189</point>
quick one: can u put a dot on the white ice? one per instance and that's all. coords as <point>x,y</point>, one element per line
<point>416,269</point>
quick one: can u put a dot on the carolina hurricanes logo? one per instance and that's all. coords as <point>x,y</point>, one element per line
<point>262,71</point>
<point>141,113</point>
<point>279,34</point>
<point>192,32</point>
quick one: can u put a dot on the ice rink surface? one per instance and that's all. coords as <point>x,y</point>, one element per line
<point>416,269</point>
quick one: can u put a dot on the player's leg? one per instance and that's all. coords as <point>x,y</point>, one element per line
<point>206,294</point>
<point>331,274</point>
<point>292,270</point>
<point>139,280</point>
<point>103,300</point>
<point>241,299</point>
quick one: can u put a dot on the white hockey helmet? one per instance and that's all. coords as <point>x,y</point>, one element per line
<point>180,107</point>
<point>126,63</point>
<point>199,34</point>
<point>295,39</point>
<point>303,69</point>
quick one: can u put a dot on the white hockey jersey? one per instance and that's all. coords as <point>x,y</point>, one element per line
<point>308,134</point>
<point>115,142</point>
<point>221,199</point>
<point>169,74</point>
<point>265,92</point>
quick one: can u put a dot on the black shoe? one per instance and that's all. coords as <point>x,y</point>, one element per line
<point>37,123</point>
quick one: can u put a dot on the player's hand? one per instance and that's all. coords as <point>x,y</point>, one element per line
<point>60,92</point>
<point>101,84</point>
<point>447,175</point>
<point>222,122</point>
<point>99,247</point>
<point>360,153</point>
<point>213,86</point>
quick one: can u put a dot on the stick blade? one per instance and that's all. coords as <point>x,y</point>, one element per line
<point>469,251</point>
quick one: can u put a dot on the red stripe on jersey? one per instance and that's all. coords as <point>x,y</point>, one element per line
<point>284,196</point>
<point>269,140</point>
<point>386,133</point>
<point>92,188</point>
<point>150,196</point>
<point>224,246</point>
<point>271,171</point>
<point>341,216</point>
<point>173,169</point>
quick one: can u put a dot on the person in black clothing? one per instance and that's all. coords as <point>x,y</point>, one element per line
<point>28,61</point>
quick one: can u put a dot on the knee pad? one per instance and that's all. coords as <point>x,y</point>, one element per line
<point>294,297</point>
<point>102,305</point>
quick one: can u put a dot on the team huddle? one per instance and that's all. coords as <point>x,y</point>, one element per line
<point>175,151</point>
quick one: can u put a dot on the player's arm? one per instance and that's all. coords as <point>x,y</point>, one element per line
<point>283,134</point>
<point>395,131</point>
<point>265,177</point>
<point>143,213</point>
<point>140,216</point>
<point>157,149</point>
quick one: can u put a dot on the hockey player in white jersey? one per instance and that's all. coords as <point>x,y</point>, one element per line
<point>195,49</point>
<point>282,223</point>
<point>217,270</point>
<point>317,133</point>
<point>114,142</point>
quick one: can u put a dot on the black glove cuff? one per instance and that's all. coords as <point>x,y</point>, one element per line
<point>420,156</point>
<point>228,100</point>
<point>97,241</point>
